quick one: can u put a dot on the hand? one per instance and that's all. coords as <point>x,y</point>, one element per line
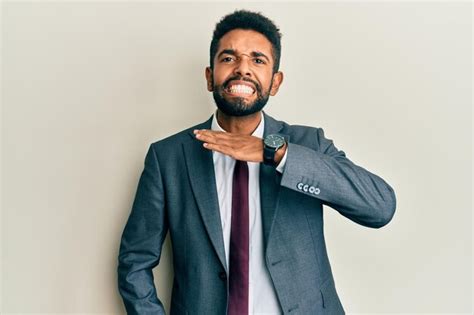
<point>238,146</point>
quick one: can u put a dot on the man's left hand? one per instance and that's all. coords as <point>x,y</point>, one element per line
<point>238,146</point>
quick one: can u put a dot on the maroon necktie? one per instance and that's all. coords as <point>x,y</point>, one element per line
<point>239,242</point>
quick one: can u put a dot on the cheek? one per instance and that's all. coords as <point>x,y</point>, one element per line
<point>266,84</point>
<point>219,78</point>
<point>265,78</point>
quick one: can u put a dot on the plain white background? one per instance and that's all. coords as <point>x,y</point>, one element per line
<point>87,86</point>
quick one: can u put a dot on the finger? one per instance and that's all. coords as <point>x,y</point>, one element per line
<point>208,131</point>
<point>214,133</point>
<point>207,138</point>
<point>219,148</point>
<point>217,138</point>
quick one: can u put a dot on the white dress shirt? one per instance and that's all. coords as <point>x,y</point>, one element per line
<point>262,295</point>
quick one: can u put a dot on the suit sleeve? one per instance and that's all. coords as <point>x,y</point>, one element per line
<point>141,242</point>
<point>327,174</point>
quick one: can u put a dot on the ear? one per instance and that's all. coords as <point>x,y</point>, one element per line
<point>277,80</point>
<point>209,79</point>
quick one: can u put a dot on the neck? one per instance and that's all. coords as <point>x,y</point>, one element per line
<point>239,124</point>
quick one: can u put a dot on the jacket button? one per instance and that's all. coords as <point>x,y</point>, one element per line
<point>222,275</point>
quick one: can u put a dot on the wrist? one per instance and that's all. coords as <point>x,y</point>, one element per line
<point>272,149</point>
<point>280,153</point>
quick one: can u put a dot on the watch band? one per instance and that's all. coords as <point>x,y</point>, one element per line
<point>269,155</point>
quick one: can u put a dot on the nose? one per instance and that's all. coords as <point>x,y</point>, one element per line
<point>242,68</point>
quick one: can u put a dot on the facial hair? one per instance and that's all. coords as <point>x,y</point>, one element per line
<point>238,106</point>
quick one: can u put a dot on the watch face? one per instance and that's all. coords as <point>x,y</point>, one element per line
<point>274,141</point>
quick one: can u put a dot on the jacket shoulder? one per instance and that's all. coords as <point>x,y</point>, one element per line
<point>176,139</point>
<point>301,134</point>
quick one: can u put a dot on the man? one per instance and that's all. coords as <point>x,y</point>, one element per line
<point>242,194</point>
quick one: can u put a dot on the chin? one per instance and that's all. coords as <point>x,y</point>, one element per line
<point>239,106</point>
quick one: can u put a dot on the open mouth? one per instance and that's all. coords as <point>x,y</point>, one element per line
<point>239,89</point>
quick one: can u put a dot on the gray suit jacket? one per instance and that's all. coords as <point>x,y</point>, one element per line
<point>177,193</point>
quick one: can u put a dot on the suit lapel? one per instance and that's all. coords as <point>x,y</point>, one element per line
<point>269,183</point>
<point>200,167</point>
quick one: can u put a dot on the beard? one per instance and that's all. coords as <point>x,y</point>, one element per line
<point>238,106</point>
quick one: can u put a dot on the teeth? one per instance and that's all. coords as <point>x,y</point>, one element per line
<point>241,89</point>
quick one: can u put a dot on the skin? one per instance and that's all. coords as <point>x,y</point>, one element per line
<point>238,142</point>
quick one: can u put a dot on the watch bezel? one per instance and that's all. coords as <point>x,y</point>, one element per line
<point>270,145</point>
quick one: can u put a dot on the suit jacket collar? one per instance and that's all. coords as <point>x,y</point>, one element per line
<point>200,168</point>
<point>270,180</point>
<point>272,126</point>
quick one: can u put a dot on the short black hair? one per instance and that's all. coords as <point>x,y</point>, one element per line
<point>248,20</point>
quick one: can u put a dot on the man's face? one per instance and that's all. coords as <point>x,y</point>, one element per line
<point>243,79</point>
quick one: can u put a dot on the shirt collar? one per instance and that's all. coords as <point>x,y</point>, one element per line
<point>258,132</point>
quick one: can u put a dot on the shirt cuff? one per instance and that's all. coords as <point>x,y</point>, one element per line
<point>281,166</point>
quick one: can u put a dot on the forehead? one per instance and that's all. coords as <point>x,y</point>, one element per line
<point>245,41</point>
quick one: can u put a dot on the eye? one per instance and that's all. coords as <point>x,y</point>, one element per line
<point>259,61</point>
<point>226,59</point>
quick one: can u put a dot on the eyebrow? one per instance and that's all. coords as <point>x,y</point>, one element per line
<point>233,53</point>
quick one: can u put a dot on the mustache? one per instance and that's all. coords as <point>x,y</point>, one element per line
<point>237,78</point>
